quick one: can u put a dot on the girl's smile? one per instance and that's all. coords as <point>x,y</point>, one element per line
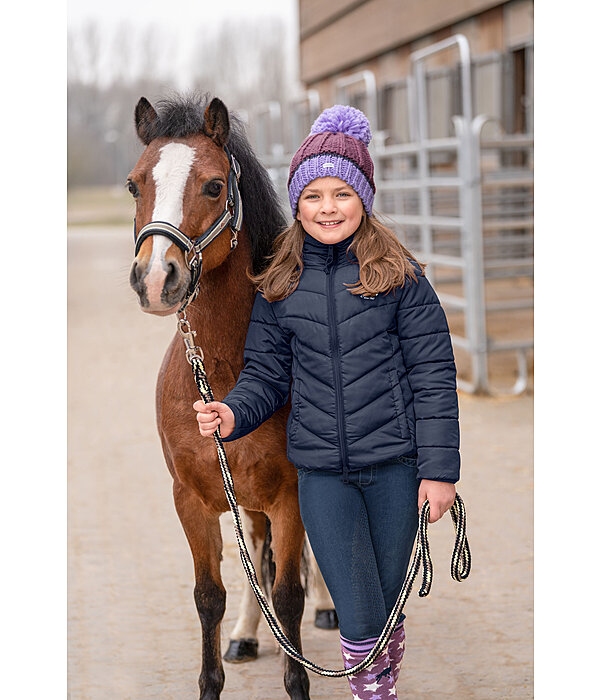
<point>329,210</point>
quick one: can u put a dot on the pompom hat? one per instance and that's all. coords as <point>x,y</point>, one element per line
<point>336,147</point>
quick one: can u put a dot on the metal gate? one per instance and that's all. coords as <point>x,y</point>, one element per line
<point>458,193</point>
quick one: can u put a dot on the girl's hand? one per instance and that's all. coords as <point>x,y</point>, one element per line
<point>213,414</point>
<point>440,495</point>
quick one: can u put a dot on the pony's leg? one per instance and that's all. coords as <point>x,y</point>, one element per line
<point>243,643</point>
<point>203,533</point>
<point>288,595</point>
<point>325,615</point>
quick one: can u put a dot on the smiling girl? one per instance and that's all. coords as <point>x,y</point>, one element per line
<point>345,312</point>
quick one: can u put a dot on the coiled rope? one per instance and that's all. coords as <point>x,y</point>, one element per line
<point>460,564</point>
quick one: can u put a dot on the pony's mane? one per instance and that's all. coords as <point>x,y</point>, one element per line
<point>183,115</point>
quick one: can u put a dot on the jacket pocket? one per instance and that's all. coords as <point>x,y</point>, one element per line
<point>399,403</point>
<point>295,408</point>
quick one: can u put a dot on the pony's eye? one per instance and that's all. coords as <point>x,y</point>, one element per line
<point>213,188</point>
<point>133,188</point>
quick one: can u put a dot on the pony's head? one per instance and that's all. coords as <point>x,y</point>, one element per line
<point>180,180</point>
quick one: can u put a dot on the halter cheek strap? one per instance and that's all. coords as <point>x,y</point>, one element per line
<point>192,248</point>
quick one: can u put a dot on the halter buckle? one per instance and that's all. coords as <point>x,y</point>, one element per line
<point>193,258</point>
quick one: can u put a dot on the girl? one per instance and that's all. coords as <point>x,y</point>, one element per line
<point>344,312</point>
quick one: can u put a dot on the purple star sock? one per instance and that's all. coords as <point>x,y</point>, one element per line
<point>376,682</point>
<point>396,650</point>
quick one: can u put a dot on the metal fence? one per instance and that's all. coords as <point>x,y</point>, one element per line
<point>455,187</point>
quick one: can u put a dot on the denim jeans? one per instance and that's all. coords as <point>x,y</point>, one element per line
<point>362,533</point>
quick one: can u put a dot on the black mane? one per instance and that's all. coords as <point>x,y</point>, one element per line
<point>182,116</point>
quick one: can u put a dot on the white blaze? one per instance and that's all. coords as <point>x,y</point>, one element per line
<point>170,177</point>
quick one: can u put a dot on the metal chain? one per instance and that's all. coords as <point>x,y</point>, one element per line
<point>460,564</point>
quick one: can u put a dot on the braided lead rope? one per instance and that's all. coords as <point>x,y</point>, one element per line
<point>459,566</point>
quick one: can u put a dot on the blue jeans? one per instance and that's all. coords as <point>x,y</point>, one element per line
<point>362,534</point>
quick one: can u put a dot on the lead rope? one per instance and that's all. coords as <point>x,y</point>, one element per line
<point>460,564</point>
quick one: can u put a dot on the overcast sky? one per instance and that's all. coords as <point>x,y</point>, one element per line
<point>187,20</point>
<point>178,13</point>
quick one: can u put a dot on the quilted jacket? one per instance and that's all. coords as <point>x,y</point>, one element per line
<point>372,378</point>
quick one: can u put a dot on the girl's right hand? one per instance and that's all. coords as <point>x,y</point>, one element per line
<point>213,414</point>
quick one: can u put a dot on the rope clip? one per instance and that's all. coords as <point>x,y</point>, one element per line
<point>184,329</point>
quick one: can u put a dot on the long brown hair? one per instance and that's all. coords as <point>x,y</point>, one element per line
<point>384,263</point>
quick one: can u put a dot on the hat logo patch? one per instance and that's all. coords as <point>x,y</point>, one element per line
<point>328,165</point>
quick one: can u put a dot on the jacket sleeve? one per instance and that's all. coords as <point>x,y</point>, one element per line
<point>427,350</point>
<point>263,386</point>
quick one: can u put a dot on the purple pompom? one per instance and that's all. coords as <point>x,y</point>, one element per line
<point>344,119</point>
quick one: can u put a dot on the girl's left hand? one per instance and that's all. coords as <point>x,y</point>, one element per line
<point>440,495</point>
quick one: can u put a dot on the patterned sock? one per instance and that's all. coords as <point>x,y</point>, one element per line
<point>376,681</point>
<point>396,650</point>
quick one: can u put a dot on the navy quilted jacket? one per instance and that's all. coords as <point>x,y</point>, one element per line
<point>371,378</point>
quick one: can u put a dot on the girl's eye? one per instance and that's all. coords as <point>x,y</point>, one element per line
<point>213,188</point>
<point>133,188</point>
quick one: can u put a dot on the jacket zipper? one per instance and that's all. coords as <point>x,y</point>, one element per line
<point>337,374</point>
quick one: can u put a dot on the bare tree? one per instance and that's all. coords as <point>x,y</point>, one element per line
<point>243,63</point>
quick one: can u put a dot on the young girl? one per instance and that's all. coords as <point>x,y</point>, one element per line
<point>344,312</point>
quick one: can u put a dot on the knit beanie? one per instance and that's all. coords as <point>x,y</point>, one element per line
<point>336,147</point>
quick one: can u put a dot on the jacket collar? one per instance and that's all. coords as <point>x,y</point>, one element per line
<point>318,253</point>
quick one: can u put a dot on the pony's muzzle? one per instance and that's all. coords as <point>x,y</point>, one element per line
<point>160,288</point>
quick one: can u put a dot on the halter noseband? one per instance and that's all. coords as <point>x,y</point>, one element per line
<point>192,248</point>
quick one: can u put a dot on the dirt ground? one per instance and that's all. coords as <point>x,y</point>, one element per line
<point>133,628</point>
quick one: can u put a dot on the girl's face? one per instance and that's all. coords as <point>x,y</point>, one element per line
<point>329,209</point>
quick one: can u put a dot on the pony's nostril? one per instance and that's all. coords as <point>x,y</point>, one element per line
<point>134,279</point>
<point>172,280</point>
<point>136,276</point>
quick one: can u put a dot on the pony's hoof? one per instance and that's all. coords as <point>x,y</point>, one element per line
<point>326,619</point>
<point>241,650</point>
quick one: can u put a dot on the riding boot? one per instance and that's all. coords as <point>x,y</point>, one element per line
<point>376,681</point>
<point>396,650</point>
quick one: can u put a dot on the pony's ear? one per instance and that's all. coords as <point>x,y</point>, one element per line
<point>216,122</point>
<point>146,120</point>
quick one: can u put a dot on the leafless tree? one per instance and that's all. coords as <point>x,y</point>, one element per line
<point>243,63</point>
